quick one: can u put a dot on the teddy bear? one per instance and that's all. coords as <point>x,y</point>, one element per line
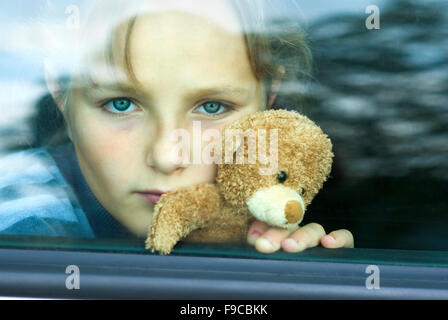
<point>246,189</point>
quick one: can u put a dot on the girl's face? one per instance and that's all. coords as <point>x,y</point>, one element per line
<point>186,69</point>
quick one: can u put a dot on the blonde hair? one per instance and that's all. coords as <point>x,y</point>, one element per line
<point>277,48</point>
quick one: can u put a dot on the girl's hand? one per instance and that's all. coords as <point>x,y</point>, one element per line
<point>268,239</point>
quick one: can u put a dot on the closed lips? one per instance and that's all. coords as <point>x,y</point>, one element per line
<point>152,196</point>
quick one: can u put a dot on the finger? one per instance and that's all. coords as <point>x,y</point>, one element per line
<point>256,229</point>
<point>338,239</point>
<point>305,237</point>
<point>270,241</point>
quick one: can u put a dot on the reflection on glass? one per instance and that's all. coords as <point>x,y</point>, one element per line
<point>122,76</point>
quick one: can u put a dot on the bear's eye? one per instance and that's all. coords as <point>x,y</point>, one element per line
<point>281,177</point>
<point>303,191</point>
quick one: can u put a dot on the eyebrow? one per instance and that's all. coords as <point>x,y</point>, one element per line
<point>91,86</point>
<point>220,90</point>
<point>193,93</point>
<point>126,86</point>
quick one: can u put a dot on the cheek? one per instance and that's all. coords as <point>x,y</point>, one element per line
<point>105,147</point>
<point>105,143</point>
<point>200,174</point>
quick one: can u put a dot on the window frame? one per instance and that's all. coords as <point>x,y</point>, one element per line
<point>37,273</point>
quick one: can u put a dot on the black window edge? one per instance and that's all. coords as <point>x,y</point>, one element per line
<point>102,275</point>
<point>428,258</point>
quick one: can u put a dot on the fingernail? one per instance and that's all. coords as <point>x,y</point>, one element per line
<point>299,245</point>
<point>292,243</point>
<point>264,244</point>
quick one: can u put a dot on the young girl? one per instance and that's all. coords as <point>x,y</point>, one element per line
<point>161,67</point>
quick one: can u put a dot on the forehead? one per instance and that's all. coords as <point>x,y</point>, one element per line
<point>176,42</point>
<point>182,42</point>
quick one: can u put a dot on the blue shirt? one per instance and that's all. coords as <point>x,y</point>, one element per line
<point>43,192</point>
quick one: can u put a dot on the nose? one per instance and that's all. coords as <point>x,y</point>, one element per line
<point>293,211</point>
<point>164,155</point>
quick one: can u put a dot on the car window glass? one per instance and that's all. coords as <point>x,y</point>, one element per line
<point>377,86</point>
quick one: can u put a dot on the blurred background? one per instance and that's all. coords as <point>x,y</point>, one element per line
<point>381,95</point>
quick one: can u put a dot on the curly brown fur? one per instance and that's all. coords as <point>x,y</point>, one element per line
<point>219,212</point>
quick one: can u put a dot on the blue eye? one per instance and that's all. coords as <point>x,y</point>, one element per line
<point>213,108</point>
<point>120,105</point>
